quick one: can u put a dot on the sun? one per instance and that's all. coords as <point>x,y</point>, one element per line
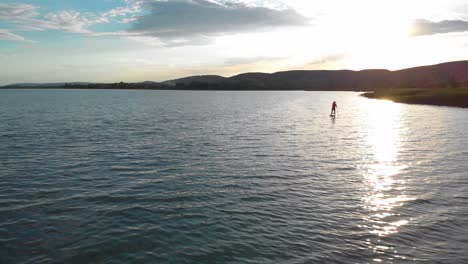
<point>381,40</point>
<point>374,34</point>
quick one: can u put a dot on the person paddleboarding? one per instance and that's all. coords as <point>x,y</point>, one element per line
<point>333,110</point>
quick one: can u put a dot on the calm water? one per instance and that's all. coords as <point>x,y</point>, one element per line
<point>229,177</point>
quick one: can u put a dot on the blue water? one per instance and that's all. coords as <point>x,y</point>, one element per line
<point>101,176</point>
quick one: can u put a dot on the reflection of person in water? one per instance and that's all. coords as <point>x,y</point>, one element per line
<point>334,106</point>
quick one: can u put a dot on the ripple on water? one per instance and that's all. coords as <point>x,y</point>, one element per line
<point>229,177</point>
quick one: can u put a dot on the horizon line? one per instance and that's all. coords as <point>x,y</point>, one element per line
<point>227,77</point>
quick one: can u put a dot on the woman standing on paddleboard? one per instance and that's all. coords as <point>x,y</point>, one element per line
<point>333,111</point>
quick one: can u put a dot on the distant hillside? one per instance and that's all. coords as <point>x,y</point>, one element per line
<point>200,78</point>
<point>450,74</point>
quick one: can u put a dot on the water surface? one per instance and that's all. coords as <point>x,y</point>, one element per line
<point>100,176</point>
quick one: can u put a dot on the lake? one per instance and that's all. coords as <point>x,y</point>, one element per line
<point>115,176</point>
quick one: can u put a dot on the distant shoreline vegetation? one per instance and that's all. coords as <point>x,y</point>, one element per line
<point>456,97</point>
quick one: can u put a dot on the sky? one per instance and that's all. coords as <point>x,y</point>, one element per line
<point>157,40</point>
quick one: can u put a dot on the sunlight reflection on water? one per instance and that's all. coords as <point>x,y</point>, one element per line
<point>384,189</point>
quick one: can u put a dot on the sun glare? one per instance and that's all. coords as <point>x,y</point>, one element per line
<point>384,131</point>
<point>376,34</point>
<point>383,168</point>
<point>380,42</point>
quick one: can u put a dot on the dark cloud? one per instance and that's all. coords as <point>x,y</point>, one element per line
<point>181,21</point>
<point>423,27</point>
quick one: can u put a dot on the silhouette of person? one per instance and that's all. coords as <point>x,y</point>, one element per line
<point>334,106</point>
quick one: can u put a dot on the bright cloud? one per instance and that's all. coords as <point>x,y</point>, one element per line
<point>6,35</point>
<point>72,21</point>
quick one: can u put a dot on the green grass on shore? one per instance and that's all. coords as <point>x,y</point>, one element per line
<point>457,97</point>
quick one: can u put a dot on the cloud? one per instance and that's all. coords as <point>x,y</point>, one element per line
<point>161,22</point>
<point>250,60</point>
<point>184,22</point>
<point>72,21</point>
<point>17,12</point>
<point>23,16</point>
<point>327,61</point>
<point>120,11</point>
<point>124,14</point>
<point>7,35</point>
<point>26,17</point>
<point>423,27</point>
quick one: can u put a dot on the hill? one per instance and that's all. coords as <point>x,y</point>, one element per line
<point>450,74</point>
<point>200,79</point>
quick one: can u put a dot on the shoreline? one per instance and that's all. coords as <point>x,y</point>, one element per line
<point>452,97</point>
<point>179,89</point>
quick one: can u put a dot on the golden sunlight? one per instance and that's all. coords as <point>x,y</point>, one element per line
<point>375,36</point>
<point>384,128</point>
<point>381,176</point>
<point>380,42</point>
